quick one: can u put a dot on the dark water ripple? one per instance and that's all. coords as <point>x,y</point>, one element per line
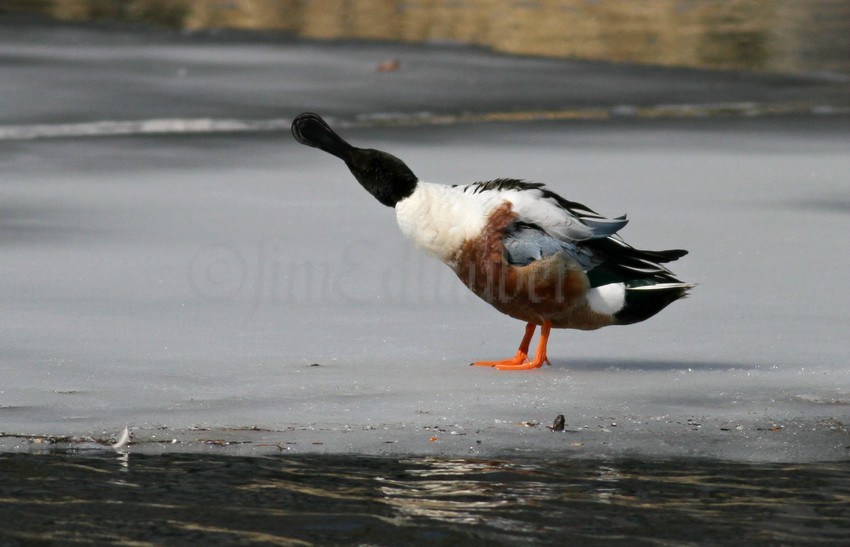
<point>178,498</point>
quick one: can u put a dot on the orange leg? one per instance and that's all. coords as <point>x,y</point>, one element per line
<point>521,354</point>
<point>539,357</point>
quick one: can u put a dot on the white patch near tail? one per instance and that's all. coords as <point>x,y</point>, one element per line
<point>607,299</point>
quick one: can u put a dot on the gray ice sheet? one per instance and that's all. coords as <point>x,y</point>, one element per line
<point>184,285</point>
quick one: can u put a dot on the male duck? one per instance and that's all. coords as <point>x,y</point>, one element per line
<point>524,249</point>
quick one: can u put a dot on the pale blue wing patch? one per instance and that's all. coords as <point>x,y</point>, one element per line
<point>525,243</point>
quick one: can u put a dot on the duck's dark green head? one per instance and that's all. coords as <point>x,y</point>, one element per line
<point>385,176</point>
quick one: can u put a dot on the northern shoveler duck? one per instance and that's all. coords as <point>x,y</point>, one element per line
<point>524,249</point>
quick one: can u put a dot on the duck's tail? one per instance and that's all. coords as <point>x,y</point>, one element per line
<point>646,297</point>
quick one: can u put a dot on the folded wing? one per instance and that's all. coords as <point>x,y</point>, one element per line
<point>546,224</point>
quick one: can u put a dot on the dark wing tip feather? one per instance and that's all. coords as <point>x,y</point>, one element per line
<point>669,255</point>
<point>622,262</point>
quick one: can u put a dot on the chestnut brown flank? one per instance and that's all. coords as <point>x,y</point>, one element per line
<point>553,288</point>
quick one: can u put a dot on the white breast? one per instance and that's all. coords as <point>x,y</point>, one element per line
<point>440,218</point>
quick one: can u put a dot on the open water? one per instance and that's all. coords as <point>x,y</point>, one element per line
<point>109,497</point>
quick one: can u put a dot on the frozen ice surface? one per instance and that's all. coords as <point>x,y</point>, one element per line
<point>217,289</point>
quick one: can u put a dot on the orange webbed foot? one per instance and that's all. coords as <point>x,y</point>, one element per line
<point>527,365</point>
<point>521,356</point>
<point>520,360</point>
